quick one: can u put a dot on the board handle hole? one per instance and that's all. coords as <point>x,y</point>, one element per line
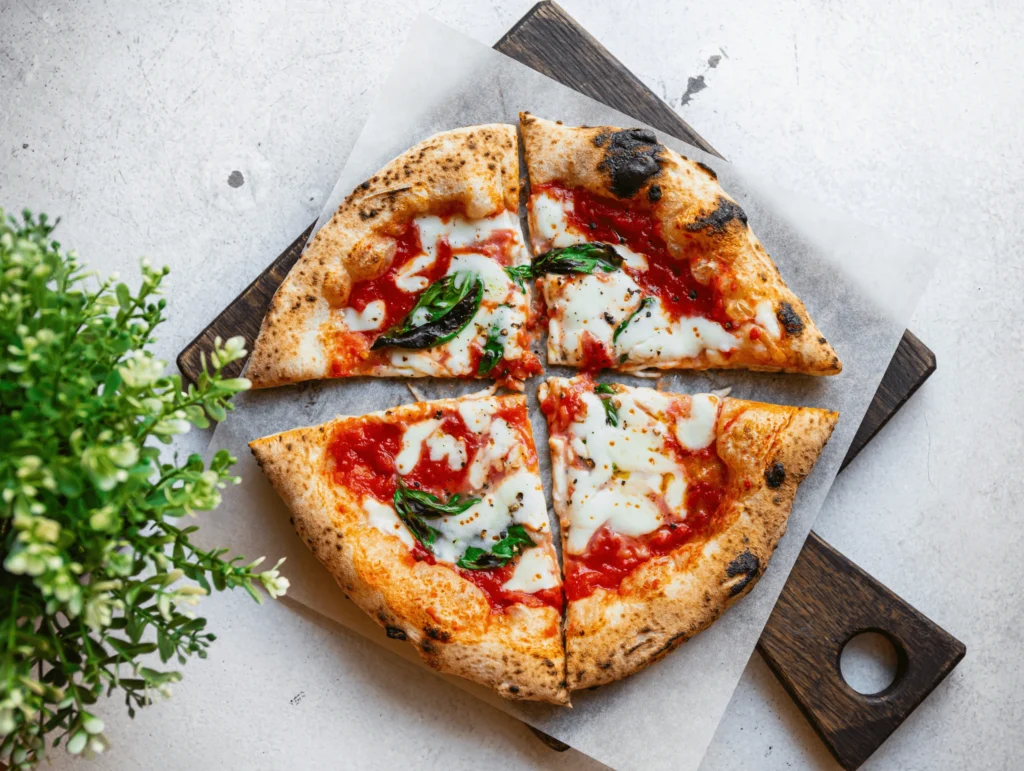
<point>870,662</point>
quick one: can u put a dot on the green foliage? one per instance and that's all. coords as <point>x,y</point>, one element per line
<point>645,303</point>
<point>611,412</point>
<point>415,506</point>
<point>579,258</point>
<point>520,274</point>
<point>98,571</point>
<point>515,541</point>
<point>494,351</point>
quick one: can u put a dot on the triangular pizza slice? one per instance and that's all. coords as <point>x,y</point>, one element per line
<point>671,506</point>
<point>419,272</point>
<point>431,517</point>
<point>645,261</point>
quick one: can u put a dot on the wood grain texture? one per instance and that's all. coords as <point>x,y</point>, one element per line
<point>827,601</point>
<point>550,41</point>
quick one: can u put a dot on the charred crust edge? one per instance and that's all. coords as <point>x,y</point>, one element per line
<point>775,475</point>
<point>790,319</point>
<point>631,158</point>
<point>747,565</point>
<point>716,221</point>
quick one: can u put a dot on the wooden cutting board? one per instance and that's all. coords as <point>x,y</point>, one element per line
<point>827,600</point>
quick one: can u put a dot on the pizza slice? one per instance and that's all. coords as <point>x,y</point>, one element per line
<point>671,506</point>
<point>432,519</point>
<point>644,261</point>
<point>419,272</point>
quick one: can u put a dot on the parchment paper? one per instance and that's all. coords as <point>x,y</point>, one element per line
<point>859,285</point>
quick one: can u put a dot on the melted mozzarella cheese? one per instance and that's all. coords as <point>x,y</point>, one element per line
<point>698,430</point>
<point>496,281</point>
<point>483,524</point>
<point>406,278</point>
<point>476,414</point>
<point>501,450</point>
<point>370,317</point>
<point>550,222</point>
<point>412,444</point>
<point>535,570</point>
<point>764,315</point>
<point>651,334</point>
<point>585,303</point>
<point>383,517</point>
<point>449,447</point>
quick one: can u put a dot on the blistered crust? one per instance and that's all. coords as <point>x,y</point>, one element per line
<point>518,653</point>
<point>690,204</point>
<point>610,635</point>
<point>475,169</point>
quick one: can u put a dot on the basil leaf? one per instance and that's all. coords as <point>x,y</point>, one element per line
<point>604,388</point>
<point>493,352</point>
<point>415,506</point>
<point>645,303</point>
<point>611,414</point>
<point>449,305</point>
<point>520,274</point>
<point>504,551</point>
<point>580,258</point>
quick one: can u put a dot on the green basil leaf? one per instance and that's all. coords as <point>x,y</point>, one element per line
<point>520,274</point>
<point>504,551</point>
<point>605,388</point>
<point>611,414</point>
<point>580,258</point>
<point>448,306</point>
<point>415,506</point>
<point>645,303</point>
<point>493,352</point>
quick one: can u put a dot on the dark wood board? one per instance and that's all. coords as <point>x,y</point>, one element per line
<point>824,584</point>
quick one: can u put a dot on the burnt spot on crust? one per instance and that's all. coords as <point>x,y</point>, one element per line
<point>775,475</point>
<point>395,633</point>
<point>437,634</point>
<point>790,319</point>
<point>654,193</point>
<point>725,212</point>
<point>746,565</point>
<point>707,169</point>
<point>513,689</point>
<point>631,157</point>
<point>427,647</point>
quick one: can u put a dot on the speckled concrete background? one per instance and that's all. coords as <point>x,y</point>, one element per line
<point>129,119</point>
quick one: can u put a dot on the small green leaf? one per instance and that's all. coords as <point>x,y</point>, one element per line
<point>645,303</point>
<point>516,540</point>
<point>440,313</point>
<point>493,352</point>
<point>520,274</point>
<point>580,258</point>
<point>606,391</point>
<point>124,297</point>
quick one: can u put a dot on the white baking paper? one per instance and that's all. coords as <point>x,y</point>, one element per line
<point>859,285</point>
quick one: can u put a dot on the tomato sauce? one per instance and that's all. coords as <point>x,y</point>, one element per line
<point>610,557</point>
<point>361,455</point>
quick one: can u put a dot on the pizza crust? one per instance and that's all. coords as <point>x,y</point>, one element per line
<point>686,198</point>
<point>611,635</point>
<point>475,169</point>
<point>518,653</point>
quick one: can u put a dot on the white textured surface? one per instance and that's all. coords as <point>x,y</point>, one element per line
<point>906,115</point>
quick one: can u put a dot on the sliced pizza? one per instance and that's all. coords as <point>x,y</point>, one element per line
<point>419,272</point>
<point>432,519</point>
<point>643,260</point>
<point>671,506</point>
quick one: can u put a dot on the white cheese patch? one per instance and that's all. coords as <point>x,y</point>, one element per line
<point>476,414</point>
<point>482,524</point>
<point>496,281</point>
<point>698,430</point>
<point>585,303</point>
<point>652,334</point>
<point>675,491</point>
<point>503,448</point>
<point>535,570</point>
<point>406,278</point>
<point>383,517</point>
<point>449,447</point>
<point>412,444</point>
<point>550,222</point>
<point>370,317</point>
<point>764,315</point>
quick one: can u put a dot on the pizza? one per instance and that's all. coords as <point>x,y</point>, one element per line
<point>670,508</point>
<point>431,517</point>
<point>644,261</point>
<point>420,272</point>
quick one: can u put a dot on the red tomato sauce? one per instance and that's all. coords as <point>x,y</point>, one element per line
<point>361,455</point>
<point>670,279</point>
<point>610,557</point>
<point>351,349</point>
